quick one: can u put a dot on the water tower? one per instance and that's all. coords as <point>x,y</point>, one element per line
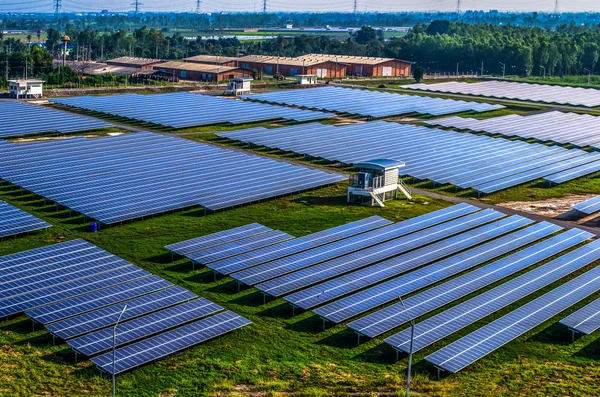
<point>65,39</point>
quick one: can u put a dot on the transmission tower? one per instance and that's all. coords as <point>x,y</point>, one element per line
<point>136,6</point>
<point>355,8</point>
<point>57,7</point>
<point>264,6</point>
<point>197,6</point>
<point>556,12</point>
<point>458,6</point>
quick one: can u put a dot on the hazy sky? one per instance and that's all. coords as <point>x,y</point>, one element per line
<point>306,5</point>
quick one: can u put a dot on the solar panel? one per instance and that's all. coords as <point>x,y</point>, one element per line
<point>390,290</point>
<point>106,316</point>
<point>215,239</point>
<point>478,344</point>
<point>240,246</point>
<point>585,320</point>
<point>491,301</point>
<point>311,257</point>
<point>286,248</point>
<point>393,316</point>
<point>462,159</point>
<point>119,293</point>
<point>184,109</point>
<point>588,207</point>
<point>40,119</point>
<point>13,221</point>
<point>145,326</point>
<point>575,96</point>
<point>369,103</point>
<point>169,342</point>
<point>141,174</point>
<point>416,243</point>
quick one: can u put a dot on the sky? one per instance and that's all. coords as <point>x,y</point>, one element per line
<point>305,5</point>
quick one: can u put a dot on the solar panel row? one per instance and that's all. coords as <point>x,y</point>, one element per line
<point>183,109</point>
<point>141,174</point>
<point>369,103</point>
<point>572,128</point>
<point>13,221</point>
<point>465,160</point>
<point>490,337</point>
<point>585,320</point>
<point>575,96</point>
<point>491,301</point>
<point>41,119</point>
<point>393,316</point>
<point>588,207</point>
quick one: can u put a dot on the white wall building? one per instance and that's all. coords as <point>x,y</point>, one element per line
<point>26,88</point>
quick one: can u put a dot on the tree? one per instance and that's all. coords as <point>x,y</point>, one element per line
<point>418,74</point>
<point>365,35</point>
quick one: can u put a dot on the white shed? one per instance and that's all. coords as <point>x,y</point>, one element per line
<point>26,88</point>
<point>239,86</point>
<point>376,182</point>
<point>306,79</point>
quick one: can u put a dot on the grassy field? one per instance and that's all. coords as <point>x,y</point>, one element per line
<point>278,355</point>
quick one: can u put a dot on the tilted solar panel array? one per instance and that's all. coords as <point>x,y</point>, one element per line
<point>14,221</point>
<point>369,103</point>
<point>588,207</point>
<point>130,176</point>
<point>465,160</point>
<point>572,128</point>
<point>78,290</point>
<point>491,301</point>
<point>41,120</point>
<point>183,109</point>
<point>585,320</point>
<point>575,96</point>
<point>465,351</point>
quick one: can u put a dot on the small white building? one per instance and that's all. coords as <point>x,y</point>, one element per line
<point>306,79</point>
<point>239,86</point>
<point>377,181</point>
<point>26,88</point>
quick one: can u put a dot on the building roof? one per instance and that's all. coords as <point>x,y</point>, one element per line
<point>100,68</point>
<point>283,60</point>
<point>349,59</point>
<point>134,61</point>
<point>195,67</point>
<point>380,163</point>
<point>26,81</point>
<point>210,59</point>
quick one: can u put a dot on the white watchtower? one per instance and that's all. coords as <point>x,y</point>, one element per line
<point>377,181</point>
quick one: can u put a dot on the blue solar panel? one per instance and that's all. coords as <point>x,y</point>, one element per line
<point>311,257</point>
<point>170,342</point>
<point>491,301</point>
<point>106,316</point>
<point>71,307</point>
<point>42,257</point>
<point>392,316</point>
<point>588,207</point>
<point>260,256</point>
<point>215,239</point>
<point>585,320</point>
<point>184,109</point>
<point>19,119</point>
<point>13,221</point>
<point>142,327</point>
<point>142,174</point>
<point>239,246</point>
<point>397,264</point>
<point>492,336</point>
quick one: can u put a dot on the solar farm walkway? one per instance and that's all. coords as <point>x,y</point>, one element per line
<point>464,160</point>
<point>13,221</point>
<point>131,176</point>
<point>20,119</point>
<point>574,96</point>
<point>183,109</point>
<point>565,128</point>
<point>77,291</point>
<point>369,103</point>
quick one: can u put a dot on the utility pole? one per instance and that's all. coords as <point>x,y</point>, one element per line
<point>410,354</point>
<point>503,69</point>
<point>57,7</point>
<point>482,69</point>
<point>544,69</point>
<point>589,75</point>
<point>457,68</point>
<point>113,349</point>
<point>198,6</point>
